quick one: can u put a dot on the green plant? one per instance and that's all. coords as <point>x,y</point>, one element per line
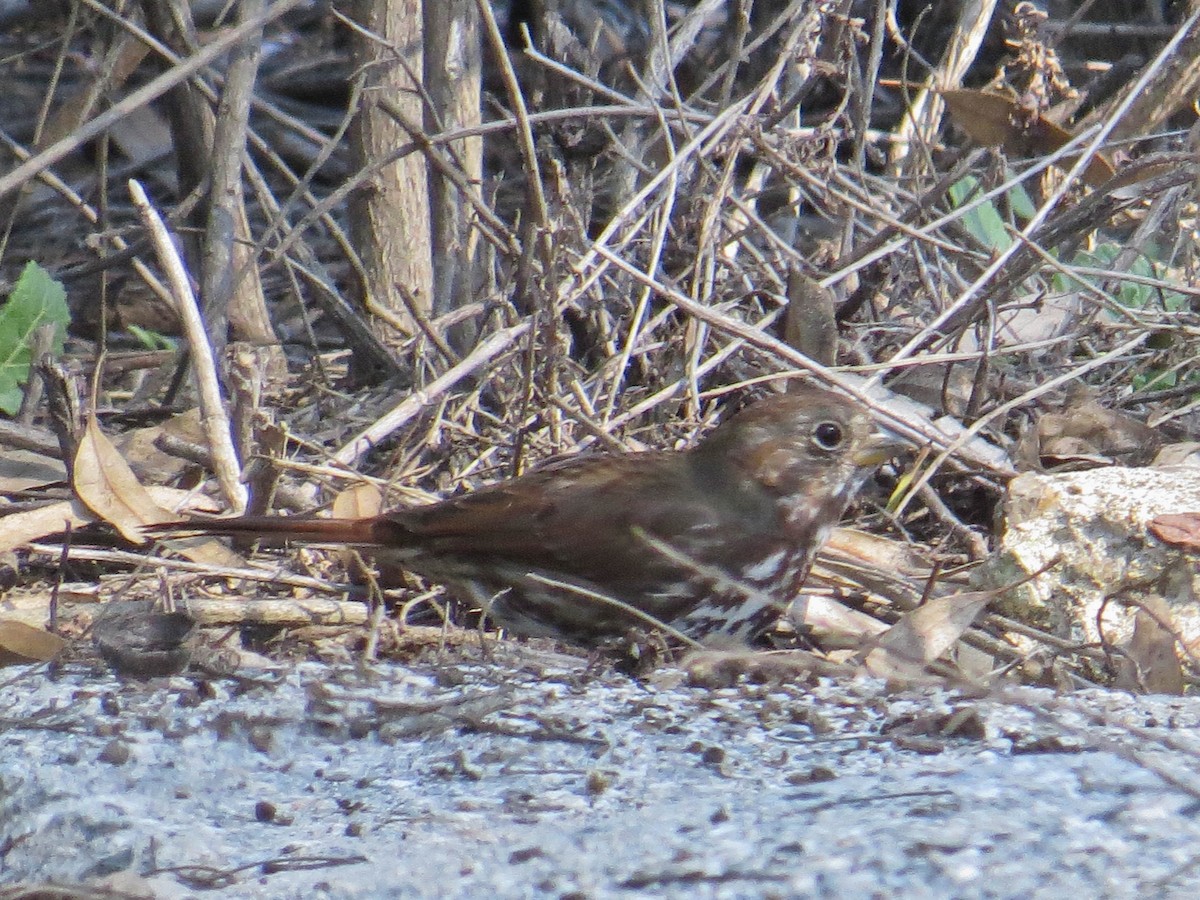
<point>36,299</point>
<point>984,220</point>
<point>1130,294</point>
<point>149,339</point>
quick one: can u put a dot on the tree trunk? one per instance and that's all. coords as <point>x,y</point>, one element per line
<point>390,215</point>
<point>453,61</point>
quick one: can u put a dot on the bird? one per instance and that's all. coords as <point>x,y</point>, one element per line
<point>708,544</point>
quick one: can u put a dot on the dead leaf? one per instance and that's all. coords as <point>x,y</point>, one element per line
<point>23,470</point>
<point>1086,435</point>
<point>924,634</point>
<point>971,662</point>
<point>358,501</point>
<point>29,525</point>
<point>832,624</point>
<point>998,121</point>
<point>1133,183</point>
<point>882,552</point>
<point>106,485</point>
<point>139,447</point>
<point>1178,529</point>
<point>143,136</point>
<point>854,567</point>
<point>21,643</point>
<point>1181,453</point>
<point>1151,664</point>
<point>809,324</point>
<point>361,500</point>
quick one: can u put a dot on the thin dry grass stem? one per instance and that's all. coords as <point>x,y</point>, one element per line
<point>1168,415</point>
<point>262,574</point>
<point>140,97</point>
<point>625,103</point>
<point>1125,276</point>
<point>489,223</point>
<point>276,214</point>
<point>89,213</point>
<point>590,266</point>
<point>415,403</point>
<point>657,248</point>
<point>1091,140</point>
<point>424,598</point>
<point>678,386</point>
<point>43,116</point>
<point>871,206</point>
<point>975,541</point>
<point>1108,302</point>
<point>860,261</point>
<point>291,246</point>
<point>919,127</point>
<point>127,24</point>
<point>998,412</point>
<point>917,431</point>
<point>516,97</point>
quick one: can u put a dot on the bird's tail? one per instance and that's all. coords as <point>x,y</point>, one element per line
<point>274,528</point>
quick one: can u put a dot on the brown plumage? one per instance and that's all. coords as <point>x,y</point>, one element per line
<point>713,541</point>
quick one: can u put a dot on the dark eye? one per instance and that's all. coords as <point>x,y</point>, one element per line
<point>828,435</point>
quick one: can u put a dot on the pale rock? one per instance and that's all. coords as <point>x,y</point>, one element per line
<point>1095,523</point>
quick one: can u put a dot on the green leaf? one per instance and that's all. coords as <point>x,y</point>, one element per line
<point>1022,206</point>
<point>36,299</point>
<point>984,222</point>
<point>151,340</point>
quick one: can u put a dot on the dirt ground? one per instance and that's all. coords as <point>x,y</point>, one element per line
<point>530,774</point>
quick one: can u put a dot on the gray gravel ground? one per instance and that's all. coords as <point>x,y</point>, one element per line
<point>529,776</point>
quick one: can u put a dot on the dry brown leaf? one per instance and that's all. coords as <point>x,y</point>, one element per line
<point>21,643</point>
<point>1151,663</point>
<point>358,501</point>
<point>834,625</point>
<point>924,634</point>
<point>1132,183</point>
<point>1179,453</point>
<point>1086,435</point>
<point>139,447</point>
<point>31,604</point>
<point>23,470</point>
<point>809,324</point>
<point>999,121</point>
<point>887,553</point>
<point>79,104</point>
<point>1178,529</point>
<point>143,136</point>
<point>106,485</point>
<point>31,524</point>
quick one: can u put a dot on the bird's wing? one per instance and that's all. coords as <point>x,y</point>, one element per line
<point>577,517</point>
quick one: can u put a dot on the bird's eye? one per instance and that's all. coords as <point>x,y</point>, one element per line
<point>828,435</point>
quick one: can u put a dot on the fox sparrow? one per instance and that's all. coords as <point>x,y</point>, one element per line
<point>712,542</point>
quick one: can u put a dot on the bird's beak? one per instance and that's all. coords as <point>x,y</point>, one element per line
<point>879,447</point>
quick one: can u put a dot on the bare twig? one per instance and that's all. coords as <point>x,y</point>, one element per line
<point>212,405</point>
